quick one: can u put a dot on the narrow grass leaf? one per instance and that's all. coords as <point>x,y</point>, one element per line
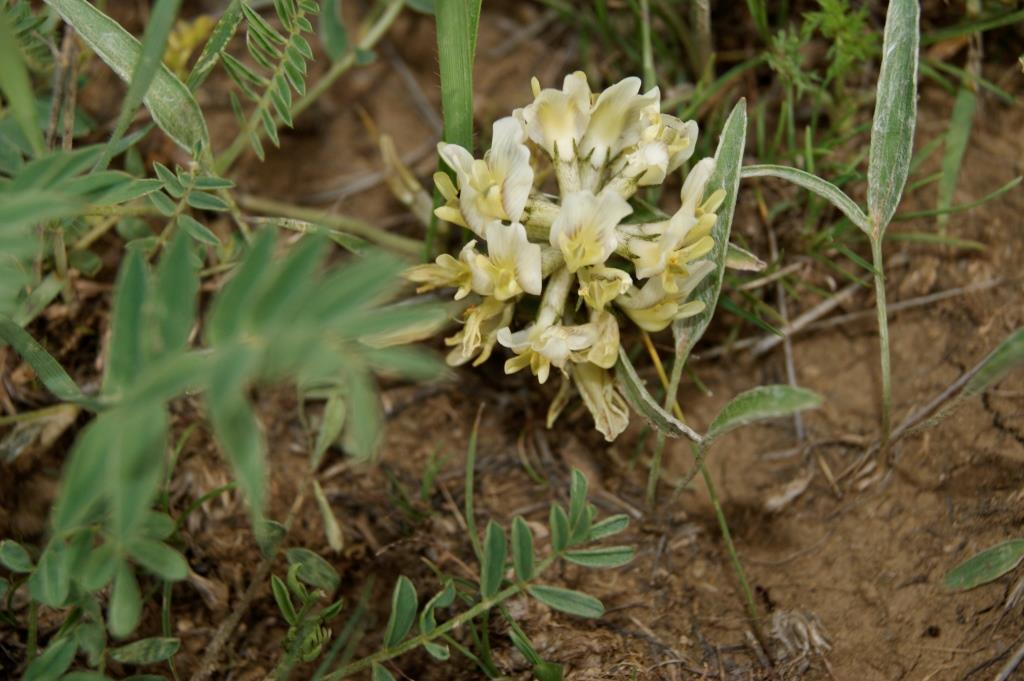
<point>17,87</point>
<point>493,567</point>
<point>957,137</point>
<point>522,549</point>
<point>171,104</point>
<point>403,612</point>
<point>644,404</point>
<point>986,566</point>
<point>759,404</point>
<point>892,128</point>
<point>1004,359</point>
<point>176,294</point>
<point>146,651</point>
<point>49,370</point>
<point>823,188</point>
<point>603,557</point>
<point>125,356</point>
<point>728,161</point>
<point>567,600</point>
<point>457,22</point>
<point>146,66</point>
<point>218,41</point>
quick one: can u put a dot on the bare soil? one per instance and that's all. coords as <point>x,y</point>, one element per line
<point>858,561</point>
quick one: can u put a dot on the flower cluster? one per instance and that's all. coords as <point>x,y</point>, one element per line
<point>590,266</point>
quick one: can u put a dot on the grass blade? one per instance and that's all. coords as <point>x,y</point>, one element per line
<point>170,103</point>
<point>17,88</point>
<point>457,22</point>
<point>892,128</point>
<point>49,371</point>
<point>1004,359</point>
<point>957,136</point>
<point>148,63</point>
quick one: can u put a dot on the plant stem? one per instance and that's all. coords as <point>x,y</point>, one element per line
<point>454,623</point>
<point>395,242</point>
<point>671,386</point>
<point>748,594</point>
<point>883,341</point>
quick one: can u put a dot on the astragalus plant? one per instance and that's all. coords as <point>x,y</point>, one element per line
<point>584,259</point>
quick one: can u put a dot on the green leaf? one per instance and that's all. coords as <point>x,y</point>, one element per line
<point>172,185</point>
<point>146,66</point>
<point>986,566</point>
<point>381,674</point>
<point>125,357</point>
<point>314,570</point>
<point>205,201</point>
<point>176,295</point>
<point>133,434</point>
<point>493,567</point>
<point>577,498</point>
<point>892,128</point>
<point>170,103</point>
<point>403,612</point>
<point>823,188</point>
<point>332,32</point>
<point>146,651</point>
<point>14,557</point>
<point>49,371</point>
<point>1005,358</point>
<point>442,599</point>
<point>50,582</point>
<point>603,557</point>
<point>457,24</point>
<point>284,600</point>
<point>728,162</point>
<point>644,404</point>
<point>231,306</point>
<point>218,41</point>
<point>236,427</point>
<point>522,549</point>
<point>53,662</point>
<point>567,600</point>
<point>759,404</point>
<point>98,568</point>
<point>362,437</point>
<point>330,426</point>
<point>158,558</point>
<point>957,137</point>
<point>608,527</point>
<point>737,258</point>
<point>558,524</point>
<point>17,87</point>
<point>88,675</point>
<point>125,607</point>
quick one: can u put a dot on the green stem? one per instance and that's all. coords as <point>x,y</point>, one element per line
<point>748,594</point>
<point>395,242</point>
<point>253,125</point>
<point>650,76</point>
<point>883,340</point>
<point>33,631</point>
<point>38,414</point>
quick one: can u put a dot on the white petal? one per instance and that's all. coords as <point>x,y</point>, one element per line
<point>696,181</point>
<point>457,158</point>
<point>618,119</point>
<point>509,160</point>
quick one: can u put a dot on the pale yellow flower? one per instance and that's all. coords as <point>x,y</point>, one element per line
<point>585,227</point>
<point>446,271</point>
<point>512,264</point>
<point>497,186</point>
<point>450,211</point>
<point>600,285</point>
<point>597,388</point>
<point>665,144</point>
<point>617,120</point>
<point>604,351</point>
<point>541,347</point>
<point>557,119</point>
<point>653,308</point>
<point>479,332</point>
